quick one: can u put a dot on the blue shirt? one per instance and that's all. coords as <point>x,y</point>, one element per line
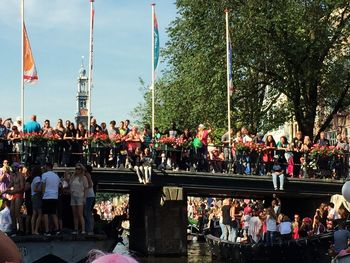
<point>341,238</point>
<point>32,126</point>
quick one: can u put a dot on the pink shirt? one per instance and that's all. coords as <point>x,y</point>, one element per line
<point>204,138</point>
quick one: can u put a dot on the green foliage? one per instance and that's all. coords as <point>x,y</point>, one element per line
<point>291,58</point>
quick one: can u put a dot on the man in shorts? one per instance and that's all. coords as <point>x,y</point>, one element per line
<point>50,185</point>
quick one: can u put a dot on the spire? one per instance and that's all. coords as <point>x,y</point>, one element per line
<point>82,71</point>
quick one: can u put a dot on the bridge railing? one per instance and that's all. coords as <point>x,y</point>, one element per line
<point>326,162</point>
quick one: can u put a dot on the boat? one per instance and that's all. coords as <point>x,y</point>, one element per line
<point>61,248</point>
<point>304,250</point>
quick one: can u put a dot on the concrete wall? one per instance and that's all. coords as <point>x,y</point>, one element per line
<point>158,221</point>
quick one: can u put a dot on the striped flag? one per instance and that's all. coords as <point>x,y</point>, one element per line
<point>156,41</point>
<point>30,74</point>
<point>231,87</point>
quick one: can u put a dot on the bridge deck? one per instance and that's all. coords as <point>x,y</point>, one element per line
<point>210,184</point>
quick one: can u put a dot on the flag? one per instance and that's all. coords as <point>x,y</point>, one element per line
<point>30,74</point>
<point>231,88</point>
<point>156,41</point>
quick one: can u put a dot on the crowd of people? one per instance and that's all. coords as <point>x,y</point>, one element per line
<point>253,221</point>
<point>35,200</point>
<point>196,150</point>
<point>107,210</point>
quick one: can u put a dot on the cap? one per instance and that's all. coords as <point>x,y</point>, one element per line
<point>247,210</point>
<point>18,118</point>
<point>201,126</point>
<point>17,165</point>
<point>276,157</point>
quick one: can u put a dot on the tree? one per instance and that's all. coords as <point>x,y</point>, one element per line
<point>292,49</point>
<point>302,48</point>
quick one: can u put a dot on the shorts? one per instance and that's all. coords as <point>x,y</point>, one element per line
<point>77,200</point>
<point>36,202</point>
<point>49,206</point>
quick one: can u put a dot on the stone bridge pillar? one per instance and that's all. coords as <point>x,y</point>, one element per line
<point>158,221</point>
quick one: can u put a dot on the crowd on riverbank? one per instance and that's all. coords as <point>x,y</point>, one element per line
<point>174,149</point>
<point>253,221</point>
<point>35,200</point>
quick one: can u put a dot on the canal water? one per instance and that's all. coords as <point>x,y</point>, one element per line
<point>198,252</point>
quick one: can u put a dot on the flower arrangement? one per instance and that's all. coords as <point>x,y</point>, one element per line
<point>115,139</point>
<point>99,139</point>
<point>32,137</point>
<point>181,142</point>
<point>52,137</point>
<point>258,147</point>
<point>169,141</point>
<point>243,147</point>
<point>322,151</point>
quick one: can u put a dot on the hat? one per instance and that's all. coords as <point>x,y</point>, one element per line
<point>18,118</point>
<point>307,220</point>
<point>16,165</point>
<point>247,210</point>
<point>201,126</point>
<point>276,156</point>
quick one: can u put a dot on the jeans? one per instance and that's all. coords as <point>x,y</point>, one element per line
<point>274,180</point>
<point>271,237</point>
<point>233,235</point>
<point>227,232</point>
<point>88,214</point>
<point>222,226</point>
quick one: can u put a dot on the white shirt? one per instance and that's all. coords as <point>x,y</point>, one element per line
<point>52,182</point>
<point>246,138</point>
<point>5,220</point>
<point>36,180</point>
<point>254,228</point>
<point>285,227</point>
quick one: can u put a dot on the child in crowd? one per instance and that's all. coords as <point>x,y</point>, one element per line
<point>147,165</point>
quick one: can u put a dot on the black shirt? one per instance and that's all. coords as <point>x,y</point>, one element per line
<point>226,218</point>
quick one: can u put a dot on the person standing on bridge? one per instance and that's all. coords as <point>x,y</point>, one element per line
<point>78,184</point>
<point>32,125</point>
<point>202,152</point>
<point>50,184</point>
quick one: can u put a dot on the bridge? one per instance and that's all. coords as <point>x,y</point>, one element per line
<point>158,211</point>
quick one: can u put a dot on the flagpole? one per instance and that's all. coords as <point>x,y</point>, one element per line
<point>90,64</point>
<point>22,64</point>
<point>153,69</point>
<point>228,84</point>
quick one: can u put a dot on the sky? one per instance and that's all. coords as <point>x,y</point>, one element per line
<point>58,31</point>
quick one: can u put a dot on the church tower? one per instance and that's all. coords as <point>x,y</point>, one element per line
<point>82,97</point>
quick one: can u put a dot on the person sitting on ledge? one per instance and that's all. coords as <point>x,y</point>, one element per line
<point>277,171</point>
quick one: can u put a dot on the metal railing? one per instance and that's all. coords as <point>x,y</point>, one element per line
<point>214,158</point>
